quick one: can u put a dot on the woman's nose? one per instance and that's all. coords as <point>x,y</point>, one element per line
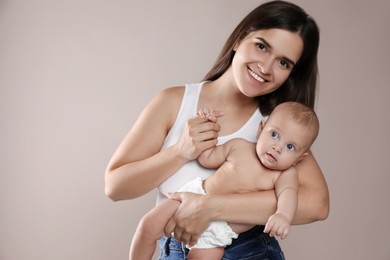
<point>265,67</point>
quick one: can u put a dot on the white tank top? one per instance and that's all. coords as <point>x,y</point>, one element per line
<point>192,169</point>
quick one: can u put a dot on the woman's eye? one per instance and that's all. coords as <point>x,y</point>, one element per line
<point>290,147</point>
<point>284,64</point>
<point>261,46</point>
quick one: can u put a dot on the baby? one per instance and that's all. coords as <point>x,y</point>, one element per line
<point>283,140</point>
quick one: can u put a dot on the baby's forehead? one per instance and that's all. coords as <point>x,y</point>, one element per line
<point>292,128</point>
<point>286,120</point>
<point>281,120</point>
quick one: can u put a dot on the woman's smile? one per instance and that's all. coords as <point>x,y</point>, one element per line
<point>265,58</point>
<point>256,76</point>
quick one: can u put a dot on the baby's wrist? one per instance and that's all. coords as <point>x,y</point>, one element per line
<point>280,214</point>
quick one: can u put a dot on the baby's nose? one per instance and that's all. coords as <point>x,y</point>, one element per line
<point>276,148</point>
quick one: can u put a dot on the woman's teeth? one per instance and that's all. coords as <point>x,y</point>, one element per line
<point>255,76</point>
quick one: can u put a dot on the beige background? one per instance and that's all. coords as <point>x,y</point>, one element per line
<point>75,74</point>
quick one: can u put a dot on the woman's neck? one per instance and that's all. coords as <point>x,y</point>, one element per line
<point>225,96</point>
<point>226,93</point>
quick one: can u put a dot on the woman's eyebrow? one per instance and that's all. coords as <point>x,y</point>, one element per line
<point>270,46</point>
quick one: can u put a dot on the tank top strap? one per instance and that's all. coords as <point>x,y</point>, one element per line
<point>248,131</point>
<point>189,103</point>
<point>187,110</point>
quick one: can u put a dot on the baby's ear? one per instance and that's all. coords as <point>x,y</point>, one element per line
<point>301,157</point>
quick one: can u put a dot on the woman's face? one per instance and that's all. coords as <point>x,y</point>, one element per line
<point>264,59</point>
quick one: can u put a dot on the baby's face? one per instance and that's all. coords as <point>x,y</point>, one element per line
<point>282,142</point>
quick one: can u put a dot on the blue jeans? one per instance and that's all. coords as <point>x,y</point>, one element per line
<point>253,244</point>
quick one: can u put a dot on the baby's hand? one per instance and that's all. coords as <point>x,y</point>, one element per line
<point>277,225</point>
<point>210,113</point>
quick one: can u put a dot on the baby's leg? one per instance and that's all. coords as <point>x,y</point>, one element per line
<point>150,229</point>
<point>215,253</point>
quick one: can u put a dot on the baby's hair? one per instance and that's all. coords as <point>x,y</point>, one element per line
<point>302,114</point>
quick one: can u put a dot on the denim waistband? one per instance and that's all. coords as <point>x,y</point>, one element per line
<point>251,232</point>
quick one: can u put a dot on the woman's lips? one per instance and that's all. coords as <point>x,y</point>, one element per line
<point>255,76</point>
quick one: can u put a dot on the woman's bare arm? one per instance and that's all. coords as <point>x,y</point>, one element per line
<point>197,211</point>
<point>132,170</point>
<point>313,193</point>
<point>138,165</point>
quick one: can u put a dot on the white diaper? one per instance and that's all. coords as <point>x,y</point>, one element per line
<point>219,233</point>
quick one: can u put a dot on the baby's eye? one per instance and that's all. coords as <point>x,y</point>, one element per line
<point>274,134</point>
<point>290,147</point>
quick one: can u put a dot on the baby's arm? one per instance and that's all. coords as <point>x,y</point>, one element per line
<point>286,189</point>
<point>214,157</point>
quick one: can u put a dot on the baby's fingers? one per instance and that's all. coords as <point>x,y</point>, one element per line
<point>268,227</point>
<point>210,114</point>
<point>284,233</point>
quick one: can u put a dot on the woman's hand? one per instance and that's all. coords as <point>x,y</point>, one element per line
<point>200,134</point>
<point>191,218</point>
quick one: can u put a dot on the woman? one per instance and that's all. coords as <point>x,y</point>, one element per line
<point>270,57</point>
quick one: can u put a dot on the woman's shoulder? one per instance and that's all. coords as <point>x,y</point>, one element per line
<point>174,96</point>
<point>170,96</point>
<point>172,92</point>
<point>177,92</point>
<point>167,103</point>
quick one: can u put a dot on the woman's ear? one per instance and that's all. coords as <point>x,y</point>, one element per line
<point>235,47</point>
<point>261,126</point>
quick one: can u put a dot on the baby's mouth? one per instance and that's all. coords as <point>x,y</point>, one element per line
<point>271,157</point>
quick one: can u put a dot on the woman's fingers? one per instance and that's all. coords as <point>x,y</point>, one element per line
<point>185,238</point>
<point>193,240</point>
<point>204,131</point>
<point>169,227</point>
<point>198,136</point>
<point>202,125</point>
<point>191,219</point>
<point>196,132</point>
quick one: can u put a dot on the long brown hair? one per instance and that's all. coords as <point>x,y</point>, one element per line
<point>301,84</point>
